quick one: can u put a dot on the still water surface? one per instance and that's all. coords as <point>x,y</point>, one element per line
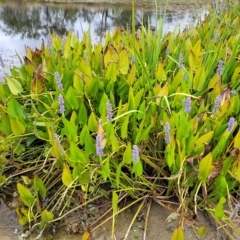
<point>27,23</point>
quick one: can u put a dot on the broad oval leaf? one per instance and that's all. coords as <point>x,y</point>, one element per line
<point>17,127</point>
<point>205,168</point>
<point>25,195</point>
<point>14,86</point>
<point>178,234</point>
<point>66,176</point>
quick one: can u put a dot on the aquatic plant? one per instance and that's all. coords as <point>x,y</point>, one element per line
<point>76,118</point>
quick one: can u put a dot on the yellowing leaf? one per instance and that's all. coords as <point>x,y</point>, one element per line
<point>29,53</point>
<point>235,75</point>
<point>237,140</point>
<point>214,80</point>
<point>38,81</point>
<point>14,86</point>
<point>236,169</point>
<point>66,175</point>
<point>87,234</point>
<point>67,48</point>
<point>131,76</point>
<point>204,139</point>
<point>205,168</point>
<point>17,127</point>
<point>25,195</point>
<point>160,73</point>
<point>110,55</point>
<point>202,231</point>
<point>127,156</point>
<point>26,180</point>
<point>163,92</point>
<point>199,79</point>
<point>178,234</point>
<point>116,37</point>
<point>195,55</point>
<point>123,62</point>
<point>111,72</point>
<point>47,216</point>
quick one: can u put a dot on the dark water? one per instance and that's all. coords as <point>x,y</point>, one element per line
<point>26,23</point>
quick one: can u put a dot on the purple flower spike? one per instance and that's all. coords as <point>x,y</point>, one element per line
<point>220,68</point>
<point>217,103</point>
<point>58,81</point>
<point>230,124</point>
<point>167,136</point>
<point>187,102</point>
<point>135,153</point>
<point>109,112</point>
<point>181,58</point>
<point>61,103</point>
<point>99,147</point>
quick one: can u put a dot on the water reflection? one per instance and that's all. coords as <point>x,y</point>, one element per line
<point>34,21</point>
<point>27,23</point>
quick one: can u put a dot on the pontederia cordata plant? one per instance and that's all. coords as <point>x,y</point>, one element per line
<point>143,115</point>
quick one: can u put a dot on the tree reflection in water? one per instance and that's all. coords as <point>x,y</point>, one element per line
<point>34,21</point>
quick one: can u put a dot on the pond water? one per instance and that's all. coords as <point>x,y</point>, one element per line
<point>27,23</point>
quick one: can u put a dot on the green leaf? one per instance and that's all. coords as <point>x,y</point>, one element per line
<point>145,133</point>
<point>69,128</point>
<point>17,127</point>
<point>80,172</point>
<point>205,168</point>
<point>102,105</point>
<point>106,170</point>
<point>131,100</point>
<point>115,203</point>
<point>137,168</point>
<point>14,86</point>
<point>124,128</point>
<point>114,142</point>
<point>46,216</point>
<point>77,155</point>
<point>138,97</point>
<point>118,173</point>
<point>14,109</point>
<point>178,234</point>
<point>25,195</point>
<point>127,156</point>
<point>219,209</point>
<point>78,82</point>
<point>82,114</point>
<point>92,123</point>
<point>71,98</point>
<point>83,134</point>
<point>202,231</point>
<point>66,176</point>
<point>39,186</point>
